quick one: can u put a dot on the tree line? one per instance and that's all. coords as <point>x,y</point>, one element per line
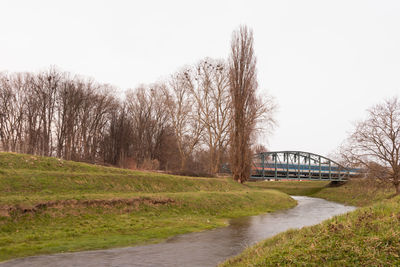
<point>190,121</point>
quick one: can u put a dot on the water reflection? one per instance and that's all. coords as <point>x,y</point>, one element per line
<point>206,248</point>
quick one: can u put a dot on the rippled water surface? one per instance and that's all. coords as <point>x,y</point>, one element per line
<point>206,248</point>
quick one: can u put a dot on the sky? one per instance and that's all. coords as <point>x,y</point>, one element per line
<point>324,62</point>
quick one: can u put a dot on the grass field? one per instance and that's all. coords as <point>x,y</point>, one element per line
<point>49,205</point>
<point>368,236</point>
<point>356,192</point>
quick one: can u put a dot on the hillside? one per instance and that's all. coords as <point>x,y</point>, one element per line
<point>368,236</point>
<point>44,177</point>
<point>356,192</point>
<point>49,205</point>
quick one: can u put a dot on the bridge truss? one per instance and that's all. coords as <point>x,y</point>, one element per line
<point>298,165</point>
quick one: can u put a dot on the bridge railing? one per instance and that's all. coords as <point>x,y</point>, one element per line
<point>298,165</point>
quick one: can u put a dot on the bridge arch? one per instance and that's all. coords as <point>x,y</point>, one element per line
<point>298,165</point>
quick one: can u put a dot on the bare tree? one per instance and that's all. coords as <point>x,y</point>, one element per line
<point>259,148</point>
<point>376,142</point>
<point>12,99</point>
<point>69,99</point>
<point>117,142</point>
<point>184,115</point>
<point>45,86</point>
<point>208,82</point>
<point>147,111</point>
<point>243,86</point>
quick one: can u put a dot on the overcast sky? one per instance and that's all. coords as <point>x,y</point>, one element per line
<point>325,62</point>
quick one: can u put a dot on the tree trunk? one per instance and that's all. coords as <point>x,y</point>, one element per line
<point>397,188</point>
<point>183,162</point>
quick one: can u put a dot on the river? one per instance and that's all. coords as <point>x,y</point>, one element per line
<point>207,248</point>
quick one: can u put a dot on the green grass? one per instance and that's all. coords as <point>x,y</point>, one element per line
<point>63,228</point>
<point>49,205</point>
<point>27,179</point>
<point>296,188</point>
<point>368,236</point>
<point>357,192</point>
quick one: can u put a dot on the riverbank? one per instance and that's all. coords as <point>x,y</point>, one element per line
<point>202,249</point>
<point>49,205</point>
<point>367,236</point>
<point>357,192</point>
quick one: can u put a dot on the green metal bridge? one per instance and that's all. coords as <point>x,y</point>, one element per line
<point>299,165</point>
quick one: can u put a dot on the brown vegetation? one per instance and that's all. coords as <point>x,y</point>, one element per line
<point>375,143</point>
<point>181,124</point>
<point>247,107</point>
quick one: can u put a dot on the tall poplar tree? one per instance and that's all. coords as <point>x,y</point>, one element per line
<point>243,86</point>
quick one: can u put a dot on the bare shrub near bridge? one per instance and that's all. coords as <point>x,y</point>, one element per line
<point>375,143</point>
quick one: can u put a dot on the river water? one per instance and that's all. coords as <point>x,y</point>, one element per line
<point>207,248</point>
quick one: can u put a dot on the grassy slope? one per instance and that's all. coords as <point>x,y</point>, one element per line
<point>367,236</point>
<point>355,192</point>
<point>303,188</point>
<point>26,178</point>
<point>49,205</point>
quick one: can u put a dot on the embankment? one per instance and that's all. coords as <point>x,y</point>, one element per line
<point>368,236</point>
<point>49,205</point>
